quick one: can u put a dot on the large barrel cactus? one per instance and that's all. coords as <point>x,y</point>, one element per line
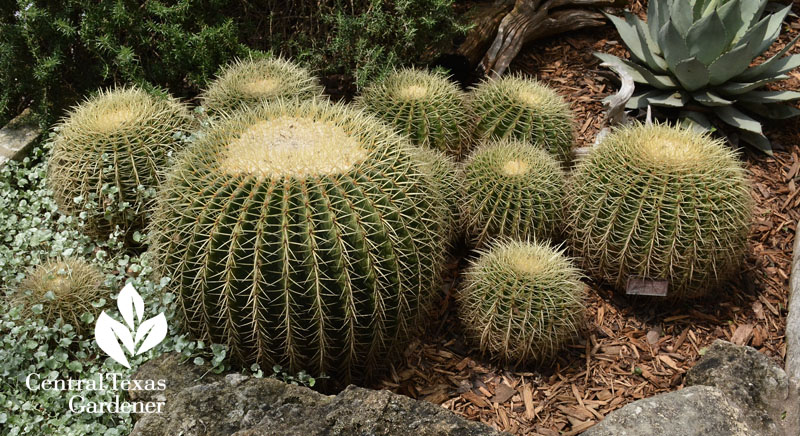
<point>521,301</point>
<point>660,203</point>
<point>525,109</point>
<point>250,82</point>
<point>108,155</point>
<point>302,234</point>
<point>512,189</point>
<point>424,105</point>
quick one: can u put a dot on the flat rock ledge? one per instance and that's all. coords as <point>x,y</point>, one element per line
<point>238,405</point>
<point>732,390</point>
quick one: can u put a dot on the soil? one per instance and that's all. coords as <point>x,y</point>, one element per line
<point>632,348</point>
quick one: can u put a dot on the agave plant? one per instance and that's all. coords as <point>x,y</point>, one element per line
<point>695,56</point>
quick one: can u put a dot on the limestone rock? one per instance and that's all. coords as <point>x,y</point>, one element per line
<point>693,411</point>
<point>244,406</point>
<point>732,390</point>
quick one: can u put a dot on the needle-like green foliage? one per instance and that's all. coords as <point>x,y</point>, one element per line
<point>512,189</point>
<point>661,203</point>
<point>62,288</point>
<point>250,82</point>
<point>524,109</point>
<point>521,301</point>
<point>425,106</point>
<point>108,154</point>
<point>302,234</point>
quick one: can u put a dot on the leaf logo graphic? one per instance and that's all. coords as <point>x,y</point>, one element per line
<point>114,337</point>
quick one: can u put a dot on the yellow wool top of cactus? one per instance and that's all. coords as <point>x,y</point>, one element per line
<point>122,110</point>
<point>262,87</point>
<point>530,259</point>
<point>293,146</point>
<point>515,167</point>
<point>248,82</point>
<point>413,92</point>
<point>292,138</point>
<point>525,91</point>
<point>662,146</point>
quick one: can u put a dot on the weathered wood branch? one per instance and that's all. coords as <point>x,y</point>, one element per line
<point>509,24</point>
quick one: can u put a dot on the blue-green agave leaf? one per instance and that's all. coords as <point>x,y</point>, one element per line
<point>707,38</point>
<point>774,23</point>
<point>657,98</point>
<point>657,16</point>
<point>749,12</point>
<point>737,88</point>
<point>672,45</point>
<point>774,66</point>
<point>736,61</point>
<point>696,121</point>
<point>758,140</point>
<point>736,118</point>
<point>771,111</point>
<point>708,98</point>
<point>768,97</point>
<point>731,15</point>
<point>639,73</point>
<point>650,49</point>
<point>692,74</point>
<point>681,15</point>
<point>627,31</point>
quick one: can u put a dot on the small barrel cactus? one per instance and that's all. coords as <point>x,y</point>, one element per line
<point>250,82</point>
<point>447,181</point>
<point>302,234</point>
<point>425,106</point>
<point>521,301</point>
<point>63,288</point>
<point>660,203</point>
<point>108,154</point>
<point>523,109</point>
<point>512,189</point>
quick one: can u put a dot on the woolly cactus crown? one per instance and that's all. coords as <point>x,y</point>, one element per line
<point>426,106</point>
<point>110,150</point>
<point>663,203</point>
<point>302,234</point>
<point>523,109</point>
<point>521,301</point>
<point>512,189</point>
<point>249,82</point>
<point>65,288</point>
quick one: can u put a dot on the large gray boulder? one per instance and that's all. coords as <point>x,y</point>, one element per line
<point>732,390</point>
<point>245,406</point>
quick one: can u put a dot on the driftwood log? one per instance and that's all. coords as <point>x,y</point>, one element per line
<point>504,26</point>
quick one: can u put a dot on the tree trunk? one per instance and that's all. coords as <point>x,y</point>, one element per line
<point>509,24</point>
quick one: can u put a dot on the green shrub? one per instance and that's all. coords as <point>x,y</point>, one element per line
<point>362,39</point>
<point>514,107</point>
<point>253,81</point>
<point>698,55</point>
<point>302,234</point>
<point>109,153</point>
<point>511,189</point>
<point>521,301</point>
<point>53,53</point>
<point>63,289</point>
<point>660,203</point>
<point>425,106</point>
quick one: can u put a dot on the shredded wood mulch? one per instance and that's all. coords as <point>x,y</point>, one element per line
<point>632,348</point>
